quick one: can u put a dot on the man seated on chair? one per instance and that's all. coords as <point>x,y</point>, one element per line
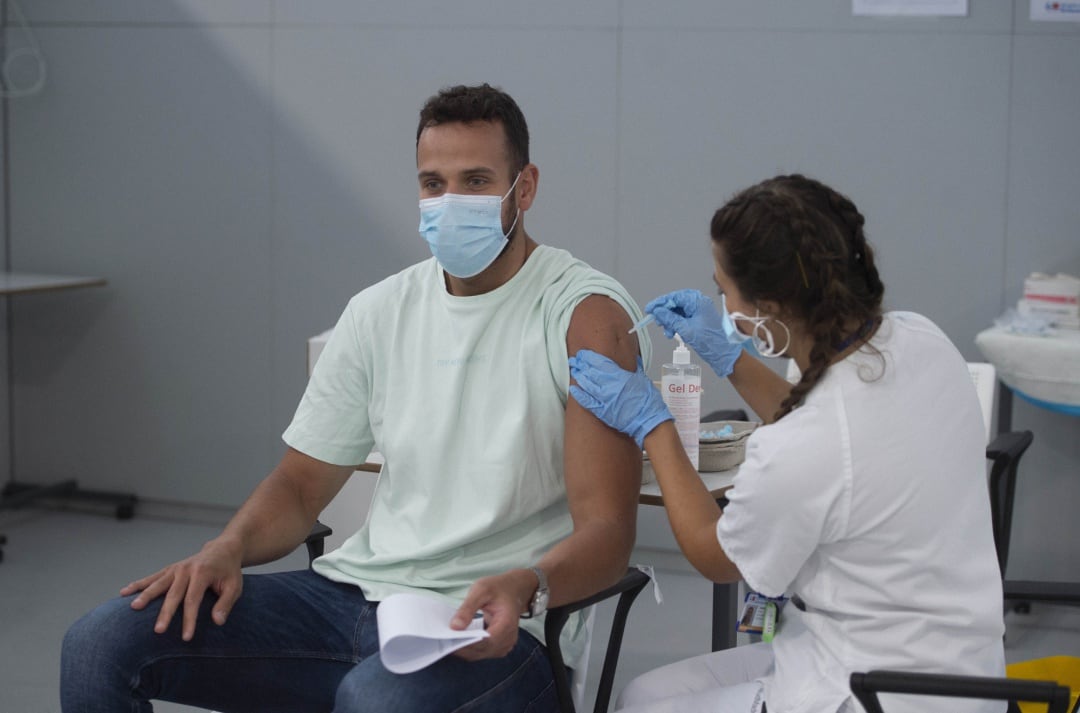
<point>493,479</point>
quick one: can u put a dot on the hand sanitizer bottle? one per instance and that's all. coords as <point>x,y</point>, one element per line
<point>680,384</point>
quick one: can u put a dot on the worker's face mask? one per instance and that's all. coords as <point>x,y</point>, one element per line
<point>762,336</point>
<point>464,232</point>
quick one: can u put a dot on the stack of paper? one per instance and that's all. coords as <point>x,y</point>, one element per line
<point>414,631</point>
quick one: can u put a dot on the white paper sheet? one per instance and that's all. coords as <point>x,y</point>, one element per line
<point>414,631</point>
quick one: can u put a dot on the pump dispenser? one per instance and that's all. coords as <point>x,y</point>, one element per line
<point>680,384</point>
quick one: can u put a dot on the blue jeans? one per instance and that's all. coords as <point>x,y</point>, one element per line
<point>294,642</point>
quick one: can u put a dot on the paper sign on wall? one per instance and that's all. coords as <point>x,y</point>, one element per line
<point>909,8</point>
<point>1046,11</point>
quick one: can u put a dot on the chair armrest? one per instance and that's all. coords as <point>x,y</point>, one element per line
<point>634,578</point>
<point>627,589</point>
<point>1026,590</point>
<point>316,540</point>
<point>1009,445</point>
<point>866,686</point>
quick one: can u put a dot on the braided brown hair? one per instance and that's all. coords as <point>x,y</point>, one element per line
<point>795,241</point>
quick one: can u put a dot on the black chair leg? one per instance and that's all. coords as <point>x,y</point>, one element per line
<point>611,657</point>
<point>627,588</point>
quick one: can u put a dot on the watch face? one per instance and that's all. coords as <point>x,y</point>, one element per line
<point>540,602</point>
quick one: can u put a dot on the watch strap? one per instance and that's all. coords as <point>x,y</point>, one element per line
<point>540,577</point>
<point>538,601</point>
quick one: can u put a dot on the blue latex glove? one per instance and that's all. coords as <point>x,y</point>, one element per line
<point>625,400</point>
<point>694,316</point>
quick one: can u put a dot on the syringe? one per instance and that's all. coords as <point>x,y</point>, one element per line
<point>647,319</point>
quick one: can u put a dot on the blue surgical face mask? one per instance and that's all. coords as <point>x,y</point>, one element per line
<point>730,330</point>
<point>763,340</point>
<point>464,232</point>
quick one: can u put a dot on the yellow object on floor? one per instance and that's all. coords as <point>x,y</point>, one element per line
<point>1065,670</point>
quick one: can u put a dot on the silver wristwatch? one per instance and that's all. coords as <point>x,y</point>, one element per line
<point>539,602</point>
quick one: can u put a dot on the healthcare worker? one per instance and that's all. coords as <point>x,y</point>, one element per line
<point>863,496</point>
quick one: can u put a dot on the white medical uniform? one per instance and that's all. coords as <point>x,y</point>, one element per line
<point>870,503</point>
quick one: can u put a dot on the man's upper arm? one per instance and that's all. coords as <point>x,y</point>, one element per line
<point>602,466</point>
<point>315,482</point>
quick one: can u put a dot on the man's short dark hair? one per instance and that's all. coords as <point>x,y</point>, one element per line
<point>481,103</point>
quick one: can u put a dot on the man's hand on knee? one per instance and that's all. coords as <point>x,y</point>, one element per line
<point>216,567</point>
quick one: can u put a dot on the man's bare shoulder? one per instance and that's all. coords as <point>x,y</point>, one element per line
<point>601,324</point>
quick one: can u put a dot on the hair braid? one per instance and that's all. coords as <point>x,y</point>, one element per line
<point>794,241</point>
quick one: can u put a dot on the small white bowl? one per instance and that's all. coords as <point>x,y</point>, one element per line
<point>714,454</point>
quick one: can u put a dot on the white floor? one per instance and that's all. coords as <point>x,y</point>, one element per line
<point>59,564</point>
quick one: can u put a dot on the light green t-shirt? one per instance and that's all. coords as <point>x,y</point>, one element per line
<point>466,399</point>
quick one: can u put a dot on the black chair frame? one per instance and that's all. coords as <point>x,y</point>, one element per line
<point>626,588</point>
<point>867,686</point>
<point>1005,451</point>
<point>1004,455</point>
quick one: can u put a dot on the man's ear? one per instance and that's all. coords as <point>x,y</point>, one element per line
<point>526,186</point>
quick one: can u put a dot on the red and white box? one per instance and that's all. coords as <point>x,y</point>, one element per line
<point>1055,297</point>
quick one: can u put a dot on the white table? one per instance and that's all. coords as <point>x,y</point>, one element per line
<point>717,482</point>
<point>17,494</point>
<point>1043,370</point>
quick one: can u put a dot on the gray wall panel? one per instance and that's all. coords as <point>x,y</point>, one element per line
<point>238,169</point>
<point>346,191</point>
<point>433,13</point>
<point>910,143</point>
<point>1044,154</point>
<point>153,173</point>
<point>1044,236</point>
<point>829,16</point>
<point>141,12</point>
<point>905,139</point>
<point>1025,26</point>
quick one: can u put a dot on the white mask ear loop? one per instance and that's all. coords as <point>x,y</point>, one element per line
<point>766,345</point>
<point>517,211</point>
<point>513,225</point>
<point>512,185</point>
